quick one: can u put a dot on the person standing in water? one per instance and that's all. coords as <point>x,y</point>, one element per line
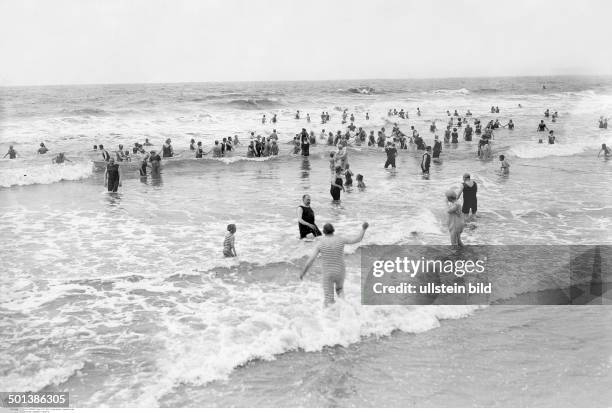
<point>468,189</point>
<point>607,152</point>
<point>437,148</point>
<point>155,160</point>
<point>505,166</point>
<point>331,250</point>
<point>306,219</point>
<point>229,246</point>
<point>112,177</point>
<point>336,185</point>
<point>426,161</point>
<point>391,154</point>
<point>305,143</point>
<point>167,151</point>
<point>455,220</point>
<point>551,138</point>
<point>12,153</point>
<point>43,149</point>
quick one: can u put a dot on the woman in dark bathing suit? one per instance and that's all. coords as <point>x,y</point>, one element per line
<point>336,185</point>
<point>469,189</point>
<point>112,177</point>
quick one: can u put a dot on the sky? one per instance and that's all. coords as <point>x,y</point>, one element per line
<point>46,42</point>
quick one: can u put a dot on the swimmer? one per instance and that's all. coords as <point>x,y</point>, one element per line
<point>542,126</point>
<point>551,138</point>
<point>391,155</point>
<point>348,177</point>
<point>60,158</point>
<point>469,188</point>
<point>43,149</point>
<point>331,249</point>
<point>191,145</point>
<point>147,143</point>
<point>216,150</point>
<point>236,140</point>
<point>167,151</point>
<point>426,161</point>
<point>12,153</point>
<point>306,219</point>
<point>105,155</point>
<point>606,150</point>
<point>360,183</point>
<point>455,220</point>
<point>367,116</point>
<point>336,185</point>
<point>455,136</point>
<point>112,176</point>
<point>263,119</point>
<point>229,247</point>
<point>155,160</point>
<point>437,148</point>
<point>505,166</point>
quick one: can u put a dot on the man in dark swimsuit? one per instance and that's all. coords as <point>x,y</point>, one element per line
<point>467,133</point>
<point>306,219</point>
<point>305,142</point>
<point>542,126</point>
<point>155,160</point>
<point>437,148</point>
<point>426,161</point>
<point>468,189</point>
<point>391,154</point>
<point>112,177</point>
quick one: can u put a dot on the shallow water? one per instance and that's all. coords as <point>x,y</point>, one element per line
<point>125,299</point>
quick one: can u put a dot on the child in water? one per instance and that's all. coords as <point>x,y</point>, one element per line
<point>505,166</point>
<point>229,249</point>
<point>332,162</point>
<point>455,219</point>
<point>360,183</point>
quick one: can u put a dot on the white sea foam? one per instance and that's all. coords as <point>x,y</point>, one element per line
<point>43,174</point>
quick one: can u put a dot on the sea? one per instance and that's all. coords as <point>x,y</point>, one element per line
<point>126,300</point>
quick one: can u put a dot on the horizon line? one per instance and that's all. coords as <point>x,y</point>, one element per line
<point>297,80</point>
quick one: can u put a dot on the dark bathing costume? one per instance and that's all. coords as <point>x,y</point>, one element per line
<point>305,144</point>
<point>425,162</point>
<point>335,191</point>
<point>469,198</point>
<point>391,153</point>
<point>437,148</point>
<point>308,216</point>
<point>113,177</point>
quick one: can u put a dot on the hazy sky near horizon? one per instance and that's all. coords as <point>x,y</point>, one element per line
<point>133,41</point>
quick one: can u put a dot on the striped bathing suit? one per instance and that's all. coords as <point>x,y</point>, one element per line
<point>331,249</point>
<point>228,244</point>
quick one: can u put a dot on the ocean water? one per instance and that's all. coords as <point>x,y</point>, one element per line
<point>125,299</point>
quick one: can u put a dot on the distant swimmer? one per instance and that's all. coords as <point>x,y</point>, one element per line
<point>105,155</point>
<point>418,111</point>
<point>112,177</point>
<point>229,245</point>
<point>469,188</point>
<point>167,151</point>
<point>199,152</point>
<point>520,106</point>
<point>297,114</point>
<point>274,118</point>
<point>467,133</point>
<point>306,219</point>
<point>367,116</point>
<point>308,117</point>
<point>546,113</point>
<point>263,119</point>
<point>155,160</point>
<point>606,150</point>
<point>348,176</point>
<point>236,140</point>
<point>331,250</point>
<point>147,143</point>
<point>426,161</point>
<point>216,150</point>
<point>12,153</point>
<point>437,148</point>
<point>336,184</point>
<point>542,126</point>
<point>144,164</point>
<point>505,166</point>
<point>455,136</point>
<point>360,183</point>
<point>43,149</point>
<point>391,155</point>
<point>510,125</point>
<point>273,147</point>
<point>60,158</point>
<point>551,138</point>
<point>455,220</point>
